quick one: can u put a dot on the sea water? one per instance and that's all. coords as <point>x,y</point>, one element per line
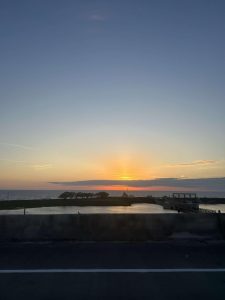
<point>52,194</point>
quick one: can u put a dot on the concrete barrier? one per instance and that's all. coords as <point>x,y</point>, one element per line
<point>111,227</point>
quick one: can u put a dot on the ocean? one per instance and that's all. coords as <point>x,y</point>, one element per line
<point>51,194</point>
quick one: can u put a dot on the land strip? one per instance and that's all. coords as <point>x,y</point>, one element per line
<point>110,201</point>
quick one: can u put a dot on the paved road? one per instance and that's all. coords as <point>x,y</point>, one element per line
<point>97,257</point>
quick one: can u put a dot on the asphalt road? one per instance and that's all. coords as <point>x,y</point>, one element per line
<point>112,270</point>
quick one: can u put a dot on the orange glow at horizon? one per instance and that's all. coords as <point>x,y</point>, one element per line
<point>127,166</point>
<point>126,188</point>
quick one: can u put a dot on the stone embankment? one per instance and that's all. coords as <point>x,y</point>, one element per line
<point>111,227</point>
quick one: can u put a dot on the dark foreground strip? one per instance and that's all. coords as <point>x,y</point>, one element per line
<point>180,270</point>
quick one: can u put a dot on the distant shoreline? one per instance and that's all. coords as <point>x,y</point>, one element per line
<point>110,201</point>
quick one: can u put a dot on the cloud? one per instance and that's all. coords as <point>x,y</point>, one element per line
<point>14,161</point>
<point>36,166</point>
<point>41,167</point>
<point>195,163</point>
<point>196,183</point>
<point>17,146</point>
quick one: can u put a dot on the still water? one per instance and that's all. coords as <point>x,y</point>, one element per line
<point>134,208</point>
<point>215,207</point>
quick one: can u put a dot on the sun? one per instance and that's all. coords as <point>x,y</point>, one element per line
<point>126,178</point>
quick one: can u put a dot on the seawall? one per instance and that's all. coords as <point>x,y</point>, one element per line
<point>111,227</point>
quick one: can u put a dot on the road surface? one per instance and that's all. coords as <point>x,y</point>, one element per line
<point>68,270</point>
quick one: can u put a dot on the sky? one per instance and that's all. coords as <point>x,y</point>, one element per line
<point>111,90</point>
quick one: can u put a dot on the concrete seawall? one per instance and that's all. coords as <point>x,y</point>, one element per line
<point>111,227</point>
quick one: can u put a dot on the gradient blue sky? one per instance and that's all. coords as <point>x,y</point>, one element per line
<point>111,90</point>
